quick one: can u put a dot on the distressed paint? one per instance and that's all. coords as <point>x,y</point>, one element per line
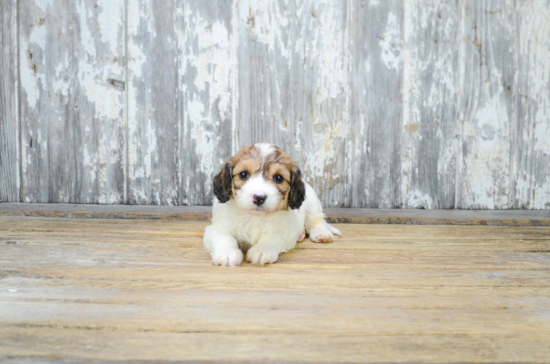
<point>207,67</point>
<point>152,175</point>
<point>294,85</point>
<point>374,138</point>
<point>45,116</point>
<point>9,112</point>
<point>430,86</point>
<point>532,148</point>
<point>99,127</point>
<point>488,110</point>
<point>71,56</point>
<point>399,103</point>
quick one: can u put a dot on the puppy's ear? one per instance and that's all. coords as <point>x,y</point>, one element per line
<point>297,193</point>
<point>222,182</point>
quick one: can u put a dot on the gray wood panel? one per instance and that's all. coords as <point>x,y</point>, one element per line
<point>71,58</point>
<point>384,104</point>
<point>374,139</point>
<point>294,86</point>
<point>430,100</point>
<point>488,105</point>
<point>47,106</point>
<point>9,112</point>
<point>152,173</point>
<point>532,132</point>
<point>206,94</point>
<point>99,61</point>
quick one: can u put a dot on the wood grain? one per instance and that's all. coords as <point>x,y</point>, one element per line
<point>374,140</point>
<point>72,79</point>
<point>85,290</point>
<point>207,93</point>
<point>488,106</point>
<point>153,144</point>
<point>9,104</point>
<point>294,86</point>
<point>531,184</point>
<point>430,103</point>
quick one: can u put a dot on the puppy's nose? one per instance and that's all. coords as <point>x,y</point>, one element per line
<point>259,199</point>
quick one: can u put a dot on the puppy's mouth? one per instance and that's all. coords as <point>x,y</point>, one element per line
<point>259,211</point>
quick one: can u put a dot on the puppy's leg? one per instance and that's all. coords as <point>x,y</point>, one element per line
<point>267,250</point>
<point>318,229</point>
<point>223,247</point>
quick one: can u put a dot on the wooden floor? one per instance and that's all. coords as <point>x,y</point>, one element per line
<point>121,290</point>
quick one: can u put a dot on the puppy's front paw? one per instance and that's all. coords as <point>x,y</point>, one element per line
<point>261,256</point>
<point>320,234</point>
<point>228,258</point>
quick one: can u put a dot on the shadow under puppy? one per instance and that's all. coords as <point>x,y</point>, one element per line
<point>262,208</point>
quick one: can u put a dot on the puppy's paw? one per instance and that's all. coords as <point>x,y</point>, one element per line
<point>228,258</point>
<point>302,236</point>
<point>320,234</point>
<point>260,255</point>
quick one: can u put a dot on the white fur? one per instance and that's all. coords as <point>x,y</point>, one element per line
<point>265,148</point>
<point>257,185</point>
<point>264,235</point>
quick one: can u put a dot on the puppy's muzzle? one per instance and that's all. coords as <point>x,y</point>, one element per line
<point>259,199</point>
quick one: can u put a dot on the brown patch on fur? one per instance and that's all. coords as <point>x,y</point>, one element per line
<point>252,160</point>
<point>275,168</point>
<point>250,165</point>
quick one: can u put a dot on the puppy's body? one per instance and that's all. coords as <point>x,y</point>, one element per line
<point>264,209</point>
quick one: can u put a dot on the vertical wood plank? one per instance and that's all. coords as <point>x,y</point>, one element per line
<point>532,147</point>
<point>294,86</point>
<point>71,57</point>
<point>152,97</point>
<point>430,116</point>
<point>46,110</point>
<point>9,113</point>
<point>488,109</point>
<point>374,146</point>
<point>99,61</point>
<point>205,94</point>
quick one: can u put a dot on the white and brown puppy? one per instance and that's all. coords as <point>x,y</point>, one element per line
<point>262,208</point>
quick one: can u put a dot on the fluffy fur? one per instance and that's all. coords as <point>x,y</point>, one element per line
<point>262,208</point>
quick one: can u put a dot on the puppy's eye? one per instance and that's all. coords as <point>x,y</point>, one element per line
<point>244,175</point>
<point>278,178</point>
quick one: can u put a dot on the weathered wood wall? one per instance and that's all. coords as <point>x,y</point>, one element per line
<point>394,103</point>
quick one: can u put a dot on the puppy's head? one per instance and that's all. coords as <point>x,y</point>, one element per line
<point>261,179</point>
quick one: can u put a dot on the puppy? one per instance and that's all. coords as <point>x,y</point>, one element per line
<point>262,208</point>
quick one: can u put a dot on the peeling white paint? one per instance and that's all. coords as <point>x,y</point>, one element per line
<point>110,13</point>
<point>32,80</point>
<point>151,149</point>
<point>62,81</point>
<point>268,21</point>
<point>487,161</point>
<point>212,63</point>
<point>204,139</point>
<point>208,72</point>
<point>419,200</point>
<point>44,5</point>
<point>86,37</point>
<point>391,44</point>
<point>287,39</point>
<point>326,150</point>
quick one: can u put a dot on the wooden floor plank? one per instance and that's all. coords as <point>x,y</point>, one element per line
<point>123,290</point>
<point>122,345</point>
